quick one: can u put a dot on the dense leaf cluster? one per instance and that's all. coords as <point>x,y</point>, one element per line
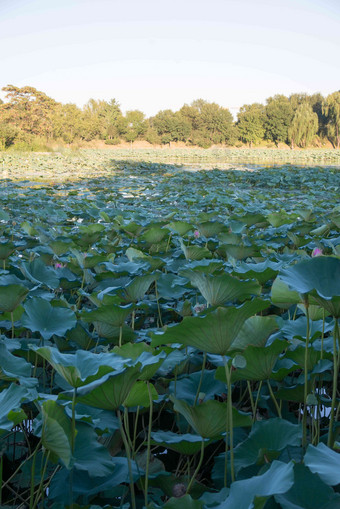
<point>170,338</point>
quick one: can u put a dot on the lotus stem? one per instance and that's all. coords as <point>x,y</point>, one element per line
<point>230,431</point>
<point>197,468</point>
<point>305,392</point>
<point>40,490</point>
<point>12,320</point>
<point>251,399</point>
<point>330,440</point>
<point>274,399</point>
<point>158,306</point>
<point>258,397</point>
<point>73,424</point>
<point>128,457</point>
<point>201,378</point>
<point>135,431</point>
<point>148,447</point>
<point>120,336</point>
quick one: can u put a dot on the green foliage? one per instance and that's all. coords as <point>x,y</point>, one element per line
<point>191,338</point>
<point>279,116</point>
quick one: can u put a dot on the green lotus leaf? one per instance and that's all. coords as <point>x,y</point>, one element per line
<point>138,287</point>
<point>321,274</point>
<point>11,366</point>
<point>11,296</point>
<point>195,252</point>
<point>210,228</point>
<point>209,419</point>
<point>109,392</point>
<point>255,331</point>
<point>279,478</point>
<point>56,432</point>
<point>184,502</point>
<point>82,367</point>
<point>213,333</point>
<point>185,387</point>
<point>260,363</point>
<point>220,289</point>
<point>180,227</point>
<point>139,395</point>
<point>6,249</point>
<point>135,352</point>
<point>325,462</point>
<point>97,464</point>
<point>308,491</point>
<point>187,443</point>
<point>262,272</point>
<point>154,234</point>
<point>111,314</point>
<point>37,272</point>
<point>265,442</point>
<point>11,413</point>
<point>237,252</point>
<point>40,316</point>
<point>282,296</point>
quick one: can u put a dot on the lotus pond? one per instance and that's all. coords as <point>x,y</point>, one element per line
<point>169,338</point>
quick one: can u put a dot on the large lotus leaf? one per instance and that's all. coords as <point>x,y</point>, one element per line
<point>184,444</point>
<point>261,271</point>
<point>98,462</point>
<point>282,296</point>
<point>308,492</point>
<point>210,228</point>
<point>154,234</point>
<point>57,431</point>
<point>313,356</point>
<point>323,461</point>
<point>10,412</point>
<point>255,331</point>
<point>294,393</point>
<point>238,252</point>
<point>138,287</point>
<point>40,316</point>
<point>209,418</point>
<point>265,442</point>
<point>260,363</point>
<point>113,315</point>
<point>321,273</point>
<point>277,219</point>
<point>171,287</point>
<point>180,227</point>
<point>186,387</point>
<point>279,478</point>
<point>12,367</point>
<point>135,352</point>
<point>104,330</point>
<point>195,252</point>
<point>11,296</point>
<point>37,272</point>
<point>110,391</point>
<point>220,289</point>
<point>81,336</point>
<point>6,249</point>
<point>82,367</point>
<point>298,328</point>
<point>139,395</point>
<point>213,333</point>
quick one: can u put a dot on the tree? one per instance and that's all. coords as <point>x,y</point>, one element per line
<point>136,125</point>
<point>171,126</point>
<point>331,108</point>
<point>103,116</point>
<point>304,126</point>
<point>279,115</point>
<point>250,123</point>
<point>29,110</point>
<point>68,123</point>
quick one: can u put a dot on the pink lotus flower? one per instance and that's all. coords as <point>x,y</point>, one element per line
<point>58,265</point>
<point>317,252</point>
<point>197,234</point>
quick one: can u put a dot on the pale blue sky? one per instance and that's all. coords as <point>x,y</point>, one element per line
<point>158,54</point>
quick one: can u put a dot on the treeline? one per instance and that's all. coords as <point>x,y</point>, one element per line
<point>29,118</point>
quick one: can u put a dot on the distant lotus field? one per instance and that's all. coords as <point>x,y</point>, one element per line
<point>169,332</point>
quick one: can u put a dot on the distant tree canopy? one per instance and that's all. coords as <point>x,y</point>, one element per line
<point>301,120</point>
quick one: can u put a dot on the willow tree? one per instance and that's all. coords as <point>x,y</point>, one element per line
<point>304,126</point>
<point>331,108</point>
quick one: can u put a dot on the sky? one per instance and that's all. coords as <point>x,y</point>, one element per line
<point>155,54</point>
